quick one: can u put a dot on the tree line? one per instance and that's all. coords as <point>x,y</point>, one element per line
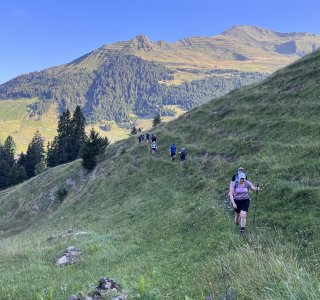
<point>70,143</point>
<point>122,84</point>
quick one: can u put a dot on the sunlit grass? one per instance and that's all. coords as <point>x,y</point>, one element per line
<point>164,228</point>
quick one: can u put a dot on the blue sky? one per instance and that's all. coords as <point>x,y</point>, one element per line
<point>38,34</point>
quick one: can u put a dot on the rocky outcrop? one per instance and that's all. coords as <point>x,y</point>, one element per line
<point>108,288</point>
<point>71,255</point>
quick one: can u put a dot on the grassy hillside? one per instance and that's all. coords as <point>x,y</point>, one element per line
<point>16,120</point>
<point>164,229</point>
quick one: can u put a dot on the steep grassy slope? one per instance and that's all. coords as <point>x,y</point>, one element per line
<point>151,219</point>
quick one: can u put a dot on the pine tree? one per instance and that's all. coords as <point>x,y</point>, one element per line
<point>156,120</point>
<point>71,136</point>
<point>94,145</point>
<point>35,154</point>
<point>52,153</point>
<point>63,146</point>
<point>134,130</point>
<point>78,134</point>
<point>4,174</point>
<point>8,151</point>
<point>17,174</point>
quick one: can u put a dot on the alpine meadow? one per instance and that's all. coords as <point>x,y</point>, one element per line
<point>165,230</point>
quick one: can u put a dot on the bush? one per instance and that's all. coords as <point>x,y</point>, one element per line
<point>62,193</point>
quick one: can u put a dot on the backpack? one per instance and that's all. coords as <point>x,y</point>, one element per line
<point>153,145</point>
<point>183,151</point>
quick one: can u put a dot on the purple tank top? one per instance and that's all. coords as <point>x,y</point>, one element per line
<point>241,192</point>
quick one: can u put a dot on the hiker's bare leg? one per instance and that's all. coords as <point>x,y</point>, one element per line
<point>243,219</point>
<point>237,218</point>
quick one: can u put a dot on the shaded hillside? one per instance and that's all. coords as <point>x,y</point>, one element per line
<point>123,85</point>
<point>148,217</point>
<point>139,76</point>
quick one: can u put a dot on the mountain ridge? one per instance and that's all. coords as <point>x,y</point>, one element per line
<point>185,73</point>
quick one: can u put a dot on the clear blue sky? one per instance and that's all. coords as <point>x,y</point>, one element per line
<point>36,34</point>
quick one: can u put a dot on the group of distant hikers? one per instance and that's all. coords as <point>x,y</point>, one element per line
<point>172,149</point>
<point>239,196</point>
<point>239,187</point>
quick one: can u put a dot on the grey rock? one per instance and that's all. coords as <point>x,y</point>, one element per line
<point>73,297</point>
<point>62,261</point>
<point>71,248</point>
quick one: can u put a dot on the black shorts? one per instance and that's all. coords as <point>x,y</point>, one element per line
<point>242,205</point>
<point>172,154</point>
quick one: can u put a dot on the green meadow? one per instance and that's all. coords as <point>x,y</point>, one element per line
<point>165,230</point>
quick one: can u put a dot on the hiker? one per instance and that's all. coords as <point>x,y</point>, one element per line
<point>142,138</point>
<point>153,147</point>
<point>235,177</point>
<point>153,138</point>
<point>139,138</point>
<point>173,151</point>
<point>147,137</point>
<point>183,154</point>
<point>240,199</point>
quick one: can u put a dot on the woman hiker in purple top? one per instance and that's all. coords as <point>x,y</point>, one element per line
<point>240,199</point>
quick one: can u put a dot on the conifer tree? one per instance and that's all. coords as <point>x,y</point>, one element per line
<point>35,154</point>
<point>156,120</point>
<point>94,145</point>
<point>17,174</point>
<point>52,153</point>
<point>64,147</point>
<point>134,130</point>
<point>71,136</point>
<point>4,174</point>
<point>78,134</point>
<point>8,151</point>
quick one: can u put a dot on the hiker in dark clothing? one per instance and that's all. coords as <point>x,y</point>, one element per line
<point>240,199</point>
<point>183,154</point>
<point>139,138</point>
<point>173,151</point>
<point>147,137</point>
<point>142,137</point>
<point>153,138</point>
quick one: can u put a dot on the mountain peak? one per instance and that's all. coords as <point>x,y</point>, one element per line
<point>248,31</point>
<point>141,42</point>
<point>259,33</point>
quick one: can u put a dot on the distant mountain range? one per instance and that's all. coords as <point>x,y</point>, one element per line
<point>137,77</point>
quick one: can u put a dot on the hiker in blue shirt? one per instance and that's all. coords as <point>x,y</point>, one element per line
<point>173,151</point>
